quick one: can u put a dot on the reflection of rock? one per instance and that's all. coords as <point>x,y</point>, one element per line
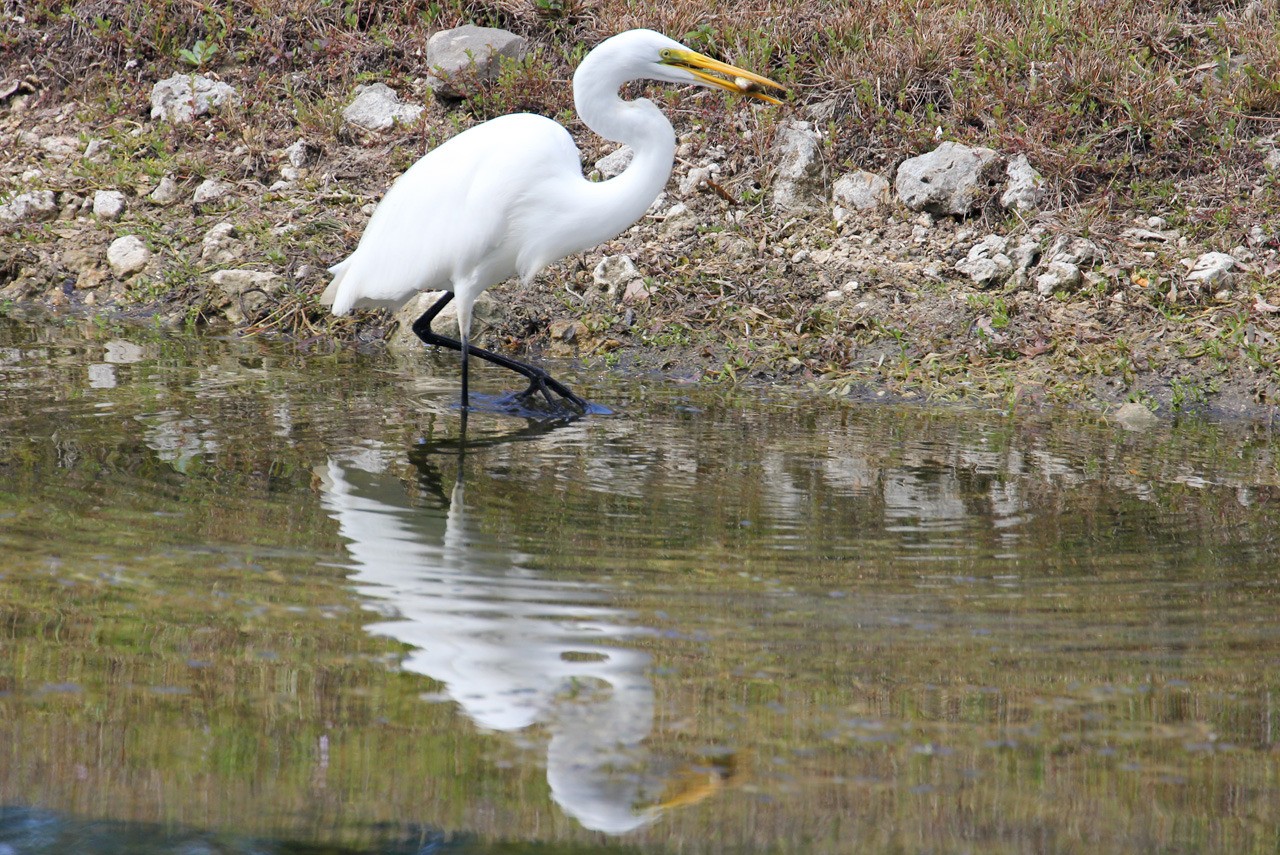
<point>179,440</point>
<point>512,648</point>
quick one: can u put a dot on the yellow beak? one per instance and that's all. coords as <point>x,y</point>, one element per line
<point>721,75</point>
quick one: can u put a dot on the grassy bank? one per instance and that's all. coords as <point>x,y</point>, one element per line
<point>1129,110</point>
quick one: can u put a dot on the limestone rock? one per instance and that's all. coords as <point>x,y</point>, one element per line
<point>1271,162</point>
<point>987,263</point>
<point>1024,254</point>
<point>612,164</point>
<point>1079,251</point>
<point>798,177</point>
<point>60,147</point>
<point>377,107</point>
<point>484,313</point>
<point>679,221</point>
<point>244,294</point>
<point>184,97</point>
<point>614,273</point>
<point>1135,417</point>
<point>695,179</point>
<point>166,192</point>
<point>220,245</point>
<point>108,204</point>
<point>1024,188</point>
<point>33,207</point>
<point>127,255</point>
<point>481,48</point>
<point>1212,268</point>
<point>859,191</point>
<point>209,191</point>
<point>97,150</point>
<point>952,179</point>
<point>301,154</point>
<point>1058,276</point>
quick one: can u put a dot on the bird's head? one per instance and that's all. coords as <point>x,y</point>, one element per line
<point>654,56</point>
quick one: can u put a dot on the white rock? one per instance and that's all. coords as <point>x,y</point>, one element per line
<point>1212,268</point>
<point>166,192</point>
<point>244,294</point>
<point>376,107</point>
<point>798,176</point>
<point>1142,235</point>
<point>987,264</point>
<point>484,313</point>
<point>108,204</point>
<point>33,207</point>
<point>301,154</point>
<point>60,147</point>
<point>1024,254</point>
<point>220,245</point>
<point>96,150</point>
<point>1135,417</point>
<point>184,97</point>
<point>860,191</point>
<point>615,272</point>
<point>73,204</point>
<point>210,190</point>
<point>127,255</point>
<point>1025,186</point>
<point>1058,276</point>
<point>696,179</point>
<point>469,47</point>
<point>1079,251</point>
<point>614,163</point>
<point>240,281</point>
<point>952,179</point>
<point>679,220</point>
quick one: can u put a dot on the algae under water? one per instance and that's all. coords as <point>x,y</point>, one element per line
<point>256,600</point>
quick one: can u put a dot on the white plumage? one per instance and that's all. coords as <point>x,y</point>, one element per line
<point>508,197</point>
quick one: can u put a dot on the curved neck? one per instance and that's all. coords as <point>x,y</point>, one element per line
<point>622,200</point>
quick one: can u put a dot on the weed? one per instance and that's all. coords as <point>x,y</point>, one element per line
<point>198,55</point>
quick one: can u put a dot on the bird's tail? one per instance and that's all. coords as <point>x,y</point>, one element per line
<point>330,295</point>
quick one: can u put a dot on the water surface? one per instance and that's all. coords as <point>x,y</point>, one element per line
<point>255,599</point>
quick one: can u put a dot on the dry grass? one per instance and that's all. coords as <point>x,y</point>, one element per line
<point>1104,97</point>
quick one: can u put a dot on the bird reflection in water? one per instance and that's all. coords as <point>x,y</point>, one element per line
<point>511,647</point>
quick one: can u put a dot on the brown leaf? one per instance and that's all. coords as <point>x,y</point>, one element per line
<point>1035,349</point>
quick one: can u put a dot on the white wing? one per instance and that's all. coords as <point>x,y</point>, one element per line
<point>453,221</point>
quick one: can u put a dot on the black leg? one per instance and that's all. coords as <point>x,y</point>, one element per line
<point>540,382</point>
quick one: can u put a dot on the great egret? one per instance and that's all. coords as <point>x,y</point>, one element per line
<point>508,197</point>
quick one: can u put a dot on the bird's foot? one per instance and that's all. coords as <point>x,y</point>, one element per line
<point>548,398</point>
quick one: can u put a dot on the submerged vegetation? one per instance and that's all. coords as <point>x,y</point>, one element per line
<point>1154,125</point>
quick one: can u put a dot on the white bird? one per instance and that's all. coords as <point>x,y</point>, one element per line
<point>508,197</point>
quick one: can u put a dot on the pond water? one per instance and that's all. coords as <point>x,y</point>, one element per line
<point>254,599</point>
